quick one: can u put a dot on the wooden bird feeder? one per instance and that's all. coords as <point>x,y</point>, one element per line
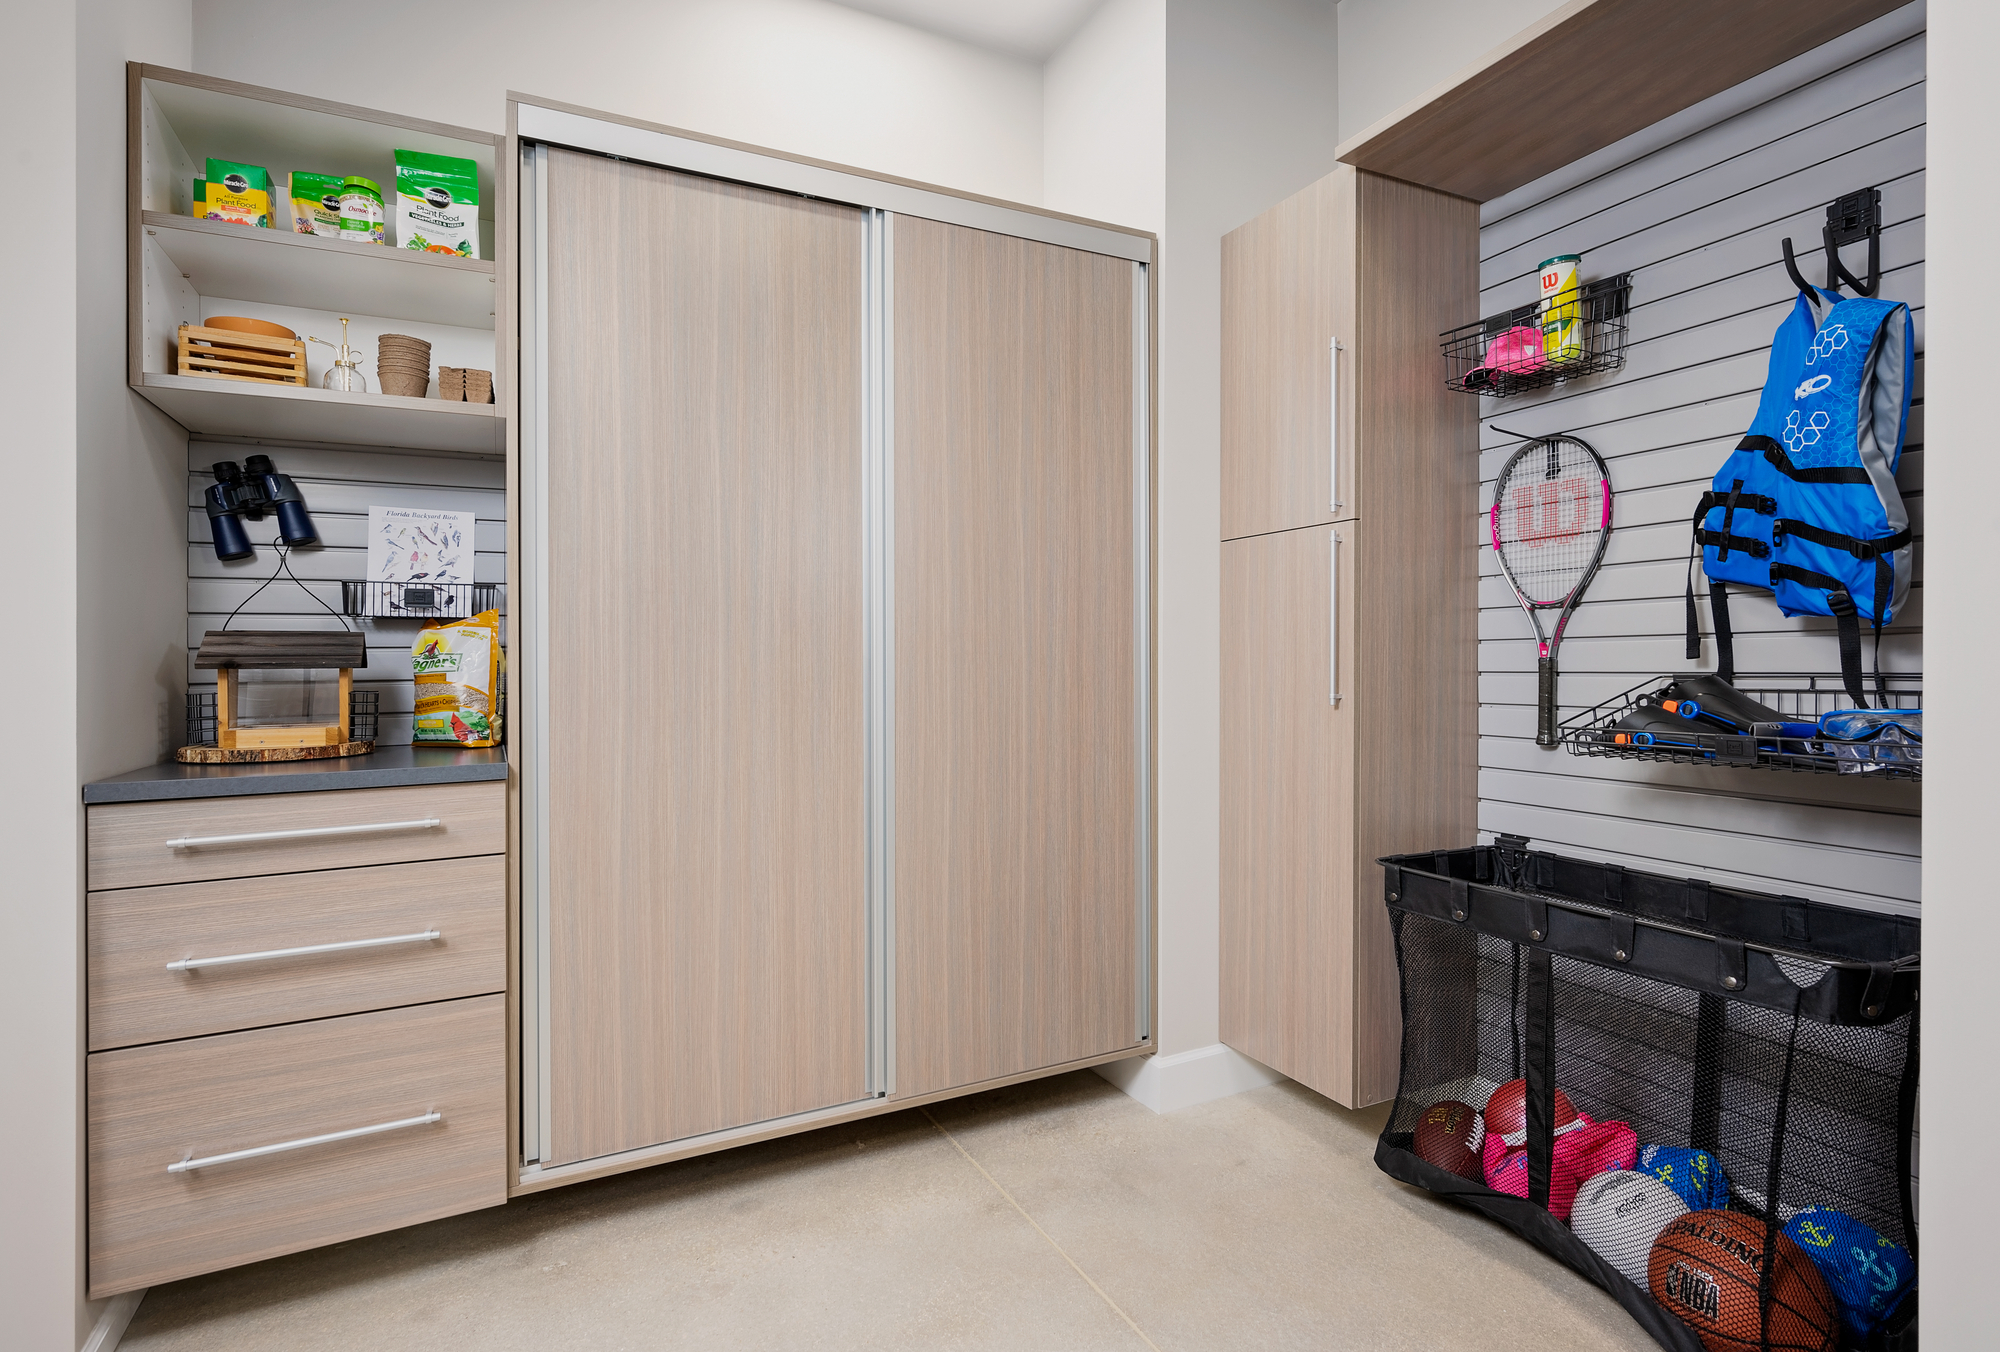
<point>227,652</point>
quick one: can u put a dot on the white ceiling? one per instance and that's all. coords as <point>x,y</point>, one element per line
<point>1032,29</point>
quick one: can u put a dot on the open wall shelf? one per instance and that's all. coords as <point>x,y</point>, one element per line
<point>184,270</point>
<point>305,272</point>
<point>289,413</point>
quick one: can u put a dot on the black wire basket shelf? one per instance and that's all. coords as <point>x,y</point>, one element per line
<point>418,600</point>
<point>1508,354</point>
<point>1664,719</point>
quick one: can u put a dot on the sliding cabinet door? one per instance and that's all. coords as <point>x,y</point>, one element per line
<point>706,666</point>
<point>1016,807</point>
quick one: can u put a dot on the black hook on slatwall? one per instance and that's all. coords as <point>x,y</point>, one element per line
<point>1849,220</point>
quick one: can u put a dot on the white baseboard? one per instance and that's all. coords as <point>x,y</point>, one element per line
<point>1183,1079</point>
<point>111,1325</point>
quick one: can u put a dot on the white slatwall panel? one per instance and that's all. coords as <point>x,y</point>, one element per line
<point>339,487</point>
<point>1697,222</point>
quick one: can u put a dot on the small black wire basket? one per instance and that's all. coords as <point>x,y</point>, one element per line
<point>418,600</point>
<point>363,716</point>
<point>1637,725</point>
<point>1509,353</point>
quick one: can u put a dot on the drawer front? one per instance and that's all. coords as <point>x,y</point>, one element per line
<point>237,938</point>
<point>187,841</point>
<point>152,1107</point>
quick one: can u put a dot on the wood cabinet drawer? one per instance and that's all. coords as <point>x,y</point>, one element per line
<point>153,1107</point>
<point>190,840</point>
<point>239,937</point>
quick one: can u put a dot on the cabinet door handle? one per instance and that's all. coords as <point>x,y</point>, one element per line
<point>1333,350</point>
<point>1333,623</point>
<point>183,1166</point>
<point>189,964</point>
<point>195,842</point>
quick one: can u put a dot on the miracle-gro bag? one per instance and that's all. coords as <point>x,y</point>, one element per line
<point>437,204</point>
<point>457,665</point>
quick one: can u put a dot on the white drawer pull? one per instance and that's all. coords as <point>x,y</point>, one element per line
<point>192,842</point>
<point>189,964</point>
<point>185,1165</point>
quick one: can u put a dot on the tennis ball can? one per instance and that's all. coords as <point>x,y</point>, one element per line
<point>1562,308</point>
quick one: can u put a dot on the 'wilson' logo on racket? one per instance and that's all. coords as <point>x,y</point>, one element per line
<point>1559,510</point>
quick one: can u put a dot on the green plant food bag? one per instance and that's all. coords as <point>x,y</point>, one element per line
<point>315,204</point>
<point>437,203</point>
<point>239,193</point>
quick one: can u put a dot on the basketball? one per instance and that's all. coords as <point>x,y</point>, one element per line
<point>1449,1135</point>
<point>1507,1112</point>
<point>1620,1214</point>
<point>1705,1268</point>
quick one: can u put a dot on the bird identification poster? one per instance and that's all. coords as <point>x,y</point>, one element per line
<point>415,544</point>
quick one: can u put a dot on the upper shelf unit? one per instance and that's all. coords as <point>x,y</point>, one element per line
<point>183,270</point>
<point>1613,66</point>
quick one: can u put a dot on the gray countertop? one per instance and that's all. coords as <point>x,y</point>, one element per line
<point>387,768</point>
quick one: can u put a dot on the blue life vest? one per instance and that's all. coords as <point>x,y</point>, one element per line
<point>1732,522</point>
<point>1807,504</point>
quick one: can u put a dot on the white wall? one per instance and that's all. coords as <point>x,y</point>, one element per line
<point>1393,50</point>
<point>1962,923</point>
<point>39,824</point>
<point>798,75</point>
<point>131,457</point>
<point>1188,117</point>
<point>95,476</point>
<point>1104,118</point>
<point>1251,119</point>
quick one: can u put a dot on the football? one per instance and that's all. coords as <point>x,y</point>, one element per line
<point>1449,1135</point>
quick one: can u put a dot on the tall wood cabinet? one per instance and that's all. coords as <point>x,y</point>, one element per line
<point>1016,805</point>
<point>705,659</point>
<point>1349,701</point>
<point>835,756</point>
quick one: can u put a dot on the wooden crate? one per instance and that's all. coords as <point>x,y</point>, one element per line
<point>224,354</point>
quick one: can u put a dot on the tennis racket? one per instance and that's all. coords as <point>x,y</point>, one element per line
<point>1551,519</point>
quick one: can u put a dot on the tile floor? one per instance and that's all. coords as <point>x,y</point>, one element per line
<point>1059,1215</point>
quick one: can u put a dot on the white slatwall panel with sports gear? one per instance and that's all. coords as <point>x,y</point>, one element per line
<point>339,486</point>
<point>1695,210</point>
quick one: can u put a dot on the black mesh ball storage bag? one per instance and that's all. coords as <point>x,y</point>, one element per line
<point>1777,1034</point>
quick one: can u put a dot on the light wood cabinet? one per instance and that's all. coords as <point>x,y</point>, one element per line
<point>308,1053</point>
<point>188,1103</point>
<point>191,840</point>
<point>1320,777</point>
<point>1288,802</point>
<point>1313,432</point>
<point>1287,298</point>
<point>836,559</point>
<point>137,933</point>
<point>705,656</point>
<point>1016,799</point>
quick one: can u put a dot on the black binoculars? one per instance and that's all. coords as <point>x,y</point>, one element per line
<point>250,491</point>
